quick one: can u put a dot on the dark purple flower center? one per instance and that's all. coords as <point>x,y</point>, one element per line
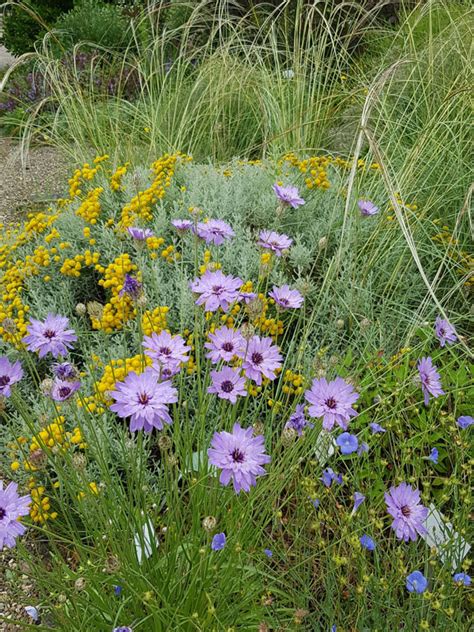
<point>257,358</point>
<point>217,289</point>
<point>237,456</point>
<point>442,332</point>
<point>49,333</point>
<point>228,346</point>
<point>165,350</point>
<point>227,386</point>
<point>143,398</point>
<point>3,513</point>
<point>406,511</point>
<point>65,391</point>
<point>331,403</point>
<point>4,380</point>
<point>283,301</point>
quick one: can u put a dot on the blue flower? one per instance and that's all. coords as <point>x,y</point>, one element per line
<point>218,542</point>
<point>316,502</point>
<point>367,542</point>
<point>117,591</point>
<point>268,552</point>
<point>376,428</point>
<point>434,454</point>
<point>329,475</point>
<point>347,442</point>
<point>362,448</point>
<point>358,500</point>
<point>462,578</point>
<point>465,421</point>
<point>416,582</point>
<point>32,612</point>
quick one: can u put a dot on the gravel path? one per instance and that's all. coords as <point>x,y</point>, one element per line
<point>41,179</point>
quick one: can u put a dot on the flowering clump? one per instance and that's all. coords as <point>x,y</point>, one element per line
<point>12,507</point>
<point>10,373</point>
<point>261,358</point>
<point>288,196</point>
<point>216,290</point>
<point>430,379</point>
<point>444,332</point>
<point>240,456</point>
<point>227,384</point>
<point>274,242</point>
<point>51,336</point>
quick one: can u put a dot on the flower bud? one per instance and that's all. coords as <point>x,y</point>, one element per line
<point>209,523</point>
<point>81,309</point>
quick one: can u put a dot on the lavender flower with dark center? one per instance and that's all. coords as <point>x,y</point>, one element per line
<point>332,401</point>
<point>10,373</point>
<point>167,352</point>
<point>298,421</point>
<point>286,298</point>
<point>140,234</point>
<point>288,196</point>
<point>275,242</point>
<point>64,370</point>
<point>182,225</point>
<point>444,332</point>
<point>225,343</point>
<point>430,379</point>
<point>261,359</point>
<point>227,384</point>
<point>12,507</point>
<point>132,287</point>
<point>367,207</point>
<point>144,400</point>
<point>214,231</point>
<point>403,504</point>
<point>51,336</point>
<point>63,390</point>
<point>216,290</point>
<point>240,456</point>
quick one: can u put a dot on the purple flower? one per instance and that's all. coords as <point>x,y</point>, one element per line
<point>286,298</point>
<point>316,502</point>
<point>182,225</point>
<point>430,379</point>
<point>298,421</point>
<point>64,389</point>
<point>216,290</point>
<point>117,590</point>
<point>123,628</point>
<point>167,352</point>
<point>218,542</point>
<point>288,195</point>
<point>376,428</point>
<point>367,542</point>
<point>51,336</point>
<point>139,234</point>
<point>240,456</point>
<point>416,582</point>
<point>260,359</point>
<point>362,448</point>
<point>358,500</point>
<point>144,400</point>
<point>462,579</point>
<point>214,231</point>
<point>12,507</point>
<point>403,504</point>
<point>10,373</point>
<point>434,455</point>
<point>33,613</point>
<point>64,370</point>
<point>347,442</point>
<point>465,421</point>
<point>225,343</point>
<point>444,332</point>
<point>132,287</point>
<point>274,241</point>
<point>332,401</point>
<point>227,384</point>
<point>329,477</point>
<point>367,207</point>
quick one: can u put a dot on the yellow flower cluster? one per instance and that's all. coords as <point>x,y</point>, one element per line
<point>272,326</point>
<point>115,371</point>
<point>315,168</point>
<point>293,383</point>
<point>73,266</point>
<point>116,179</point>
<point>208,263</point>
<point>154,321</point>
<point>90,208</point>
<point>85,174</point>
<point>40,508</point>
<point>140,207</point>
<point>119,309</point>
